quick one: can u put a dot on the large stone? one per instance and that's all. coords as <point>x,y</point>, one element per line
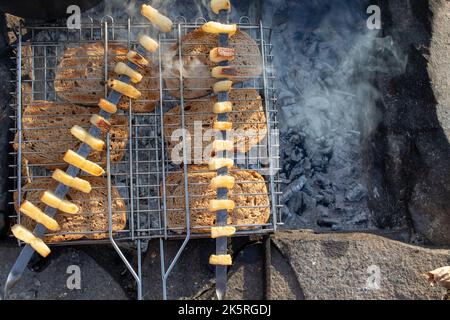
<point>346,266</point>
<point>51,282</point>
<point>304,265</point>
<point>430,201</point>
<point>413,147</point>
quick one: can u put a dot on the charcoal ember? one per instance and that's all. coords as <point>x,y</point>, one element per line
<point>309,190</point>
<point>307,167</point>
<point>322,181</point>
<point>327,223</point>
<point>285,213</point>
<point>320,162</point>
<point>359,219</point>
<point>355,193</point>
<point>284,179</point>
<point>293,189</point>
<point>322,211</point>
<point>340,210</point>
<point>326,199</point>
<point>319,198</point>
<point>295,139</point>
<point>296,172</point>
<point>295,204</point>
<point>286,151</point>
<point>309,202</point>
<point>327,153</point>
<point>296,155</point>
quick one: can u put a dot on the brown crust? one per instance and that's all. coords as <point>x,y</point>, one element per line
<point>80,77</point>
<point>93,214</point>
<point>46,146</point>
<point>247,115</point>
<point>196,62</point>
<point>243,194</point>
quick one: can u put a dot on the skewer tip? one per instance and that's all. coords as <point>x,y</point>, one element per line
<point>220,294</point>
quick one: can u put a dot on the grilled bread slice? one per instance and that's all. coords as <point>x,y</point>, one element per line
<point>197,78</point>
<point>249,195</point>
<point>80,77</point>
<point>247,117</point>
<point>91,221</point>
<point>46,133</point>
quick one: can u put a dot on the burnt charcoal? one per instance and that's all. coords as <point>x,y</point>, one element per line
<point>356,193</point>
<point>307,166</point>
<point>286,152</point>
<point>319,198</point>
<point>287,167</point>
<point>323,212</point>
<point>295,139</point>
<point>286,213</point>
<point>309,190</point>
<point>360,219</point>
<point>296,155</point>
<point>340,210</point>
<point>327,223</point>
<point>284,180</point>
<point>322,182</point>
<point>295,204</point>
<point>327,153</point>
<point>320,163</point>
<point>293,189</point>
<point>309,202</point>
<point>296,172</point>
<point>326,199</point>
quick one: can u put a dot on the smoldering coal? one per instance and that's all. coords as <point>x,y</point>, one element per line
<point>326,61</point>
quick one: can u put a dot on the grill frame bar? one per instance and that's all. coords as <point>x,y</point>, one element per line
<point>134,232</point>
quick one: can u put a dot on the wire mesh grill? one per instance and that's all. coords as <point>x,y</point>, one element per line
<point>144,175</point>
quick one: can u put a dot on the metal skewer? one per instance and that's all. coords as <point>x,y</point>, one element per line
<point>222,194</point>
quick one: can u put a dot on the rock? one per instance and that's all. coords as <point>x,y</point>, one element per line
<point>51,282</point>
<point>304,266</point>
<point>430,200</point>
<point>415,128</point>
<point>347,266</point>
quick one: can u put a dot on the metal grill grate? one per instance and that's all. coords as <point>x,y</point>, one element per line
<point>143,176</point>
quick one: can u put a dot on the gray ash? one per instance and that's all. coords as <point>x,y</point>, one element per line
<point>313,198</point>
